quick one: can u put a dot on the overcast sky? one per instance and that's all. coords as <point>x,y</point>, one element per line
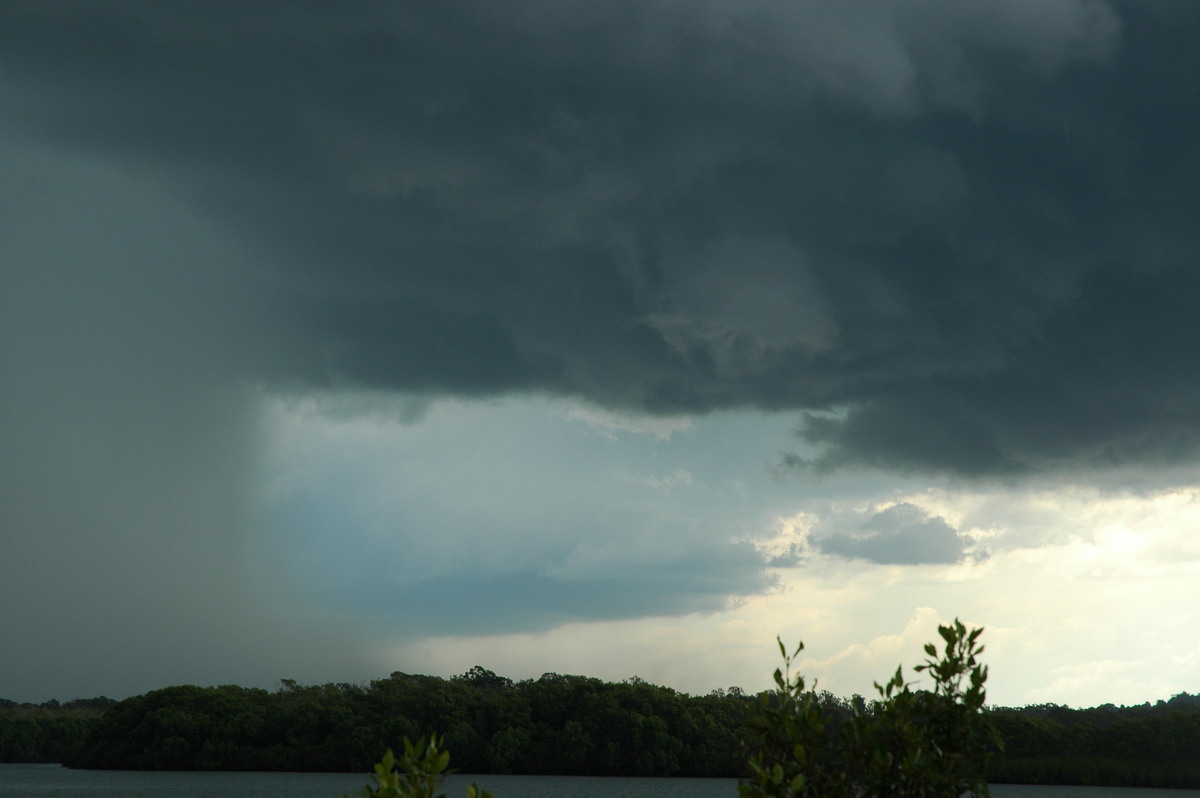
<point>612,338</point>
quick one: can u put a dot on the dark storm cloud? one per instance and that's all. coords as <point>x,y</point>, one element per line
<point>125,452</point>
<point>965,229</point>
<point>903,534</point>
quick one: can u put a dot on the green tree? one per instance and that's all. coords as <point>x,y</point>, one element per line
<point>907,744</point>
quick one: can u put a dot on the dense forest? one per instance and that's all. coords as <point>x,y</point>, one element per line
<point>47,732</point>
<point>1140,746</point>
<point>552,725</point>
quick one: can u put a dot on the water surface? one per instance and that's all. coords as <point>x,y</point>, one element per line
<point>52,781</point>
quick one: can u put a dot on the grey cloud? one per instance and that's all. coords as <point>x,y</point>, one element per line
<point>534,601</point>
<point>911,214</point>
<point>1105,384</point>
<point>127,450</point>
<point>903,534</point>
<point>954,237</point>
<point>494,539</point>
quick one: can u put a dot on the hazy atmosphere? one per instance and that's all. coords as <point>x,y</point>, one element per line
<point>611,338</point>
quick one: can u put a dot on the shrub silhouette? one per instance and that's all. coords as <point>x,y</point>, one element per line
<point>906,744</point>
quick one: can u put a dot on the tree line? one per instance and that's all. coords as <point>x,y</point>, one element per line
<point>1107,746</point>
<point>46,732</point>
<point>569,725</point>
<point>563,725</point>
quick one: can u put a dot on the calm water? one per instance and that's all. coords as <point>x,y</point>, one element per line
<point>52,781</point>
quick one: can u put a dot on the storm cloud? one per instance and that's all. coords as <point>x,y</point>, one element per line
<point>956,226</point>
<point>944,238</point>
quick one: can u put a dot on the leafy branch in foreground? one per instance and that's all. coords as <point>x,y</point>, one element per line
<point>419,773</point>
<point>907,744</point>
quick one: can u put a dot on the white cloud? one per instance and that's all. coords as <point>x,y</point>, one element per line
<point>1088,595</point>
<point>876,659</point>
<point>1104,611</point>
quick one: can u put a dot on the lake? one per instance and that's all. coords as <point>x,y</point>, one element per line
<point>52,781</point>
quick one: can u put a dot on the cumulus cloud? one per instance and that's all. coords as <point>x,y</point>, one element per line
<point>859,665</point>
<point>903,534</point>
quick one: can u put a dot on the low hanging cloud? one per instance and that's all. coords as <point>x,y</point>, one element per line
<point>903,534</point>
<point>961,229</point>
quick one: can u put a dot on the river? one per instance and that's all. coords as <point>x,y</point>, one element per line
<point>52,781</point>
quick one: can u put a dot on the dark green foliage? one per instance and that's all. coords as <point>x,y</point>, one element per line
<point>552,725</point>
<point>419,773</point>
<point>185,728</point>
<point>908,744</point>
<point>578,725</point>
<point>46,732</point>
<point>1141,746</point>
